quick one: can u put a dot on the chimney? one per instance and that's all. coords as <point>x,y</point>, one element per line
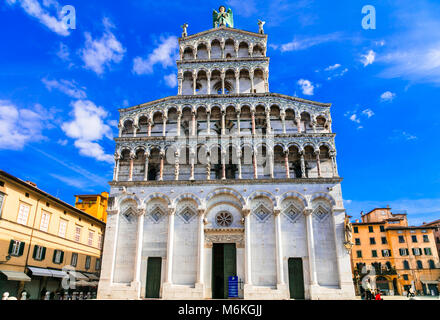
<point>357,220</point>
<point>33,184</point>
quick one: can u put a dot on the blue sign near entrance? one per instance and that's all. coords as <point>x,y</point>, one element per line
<point>233,287</point>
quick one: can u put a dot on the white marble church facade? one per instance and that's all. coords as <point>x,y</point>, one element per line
<point>225,162</point>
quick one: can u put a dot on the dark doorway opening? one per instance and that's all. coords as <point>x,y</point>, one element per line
<point>154,266</point>
<point>296,278</point>
<point>224,265</point>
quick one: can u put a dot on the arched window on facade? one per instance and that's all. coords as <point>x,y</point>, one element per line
<point>405,264</point>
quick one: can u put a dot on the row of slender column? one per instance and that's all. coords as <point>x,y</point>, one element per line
<point>180,78</point>
<point>223,162</point>
<point>223,52</point>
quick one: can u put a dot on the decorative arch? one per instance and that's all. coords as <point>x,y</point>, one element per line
<point>129,197</point>
<point>156,195</point>
<point>263,194</point>
<point>226,191</point>
<point>187,196</point>
<point>293,194</point>
<point>325,196</point>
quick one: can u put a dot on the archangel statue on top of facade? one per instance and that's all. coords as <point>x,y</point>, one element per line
<point>223,17</point>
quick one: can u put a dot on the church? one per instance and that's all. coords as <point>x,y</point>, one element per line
<point>225,184</point>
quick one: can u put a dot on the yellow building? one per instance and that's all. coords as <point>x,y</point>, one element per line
<point>39,236</point>
<point>399,255</point>
<point>93,204</point>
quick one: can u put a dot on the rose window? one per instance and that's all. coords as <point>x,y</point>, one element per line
<point>224,219</point>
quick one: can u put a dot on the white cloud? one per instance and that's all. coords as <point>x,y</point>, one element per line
<point>67,87</point>
<point>305,43</point>
<point>165,54</point>
<point>368,112</point>
<point>98,54</point>
<point>354,118</point>
<point>74,182</point>
<point>306,86</point>
<point>87,127</point>
<point>402,135</point>
<point>368,58</point>
<point>63,52</point>
<point>387,96</point>
<point>20,126</point>
<point>171,80</point>
<point>333,67</point>
<point>338,74</point>
<point>62,142</point>
<point>34,9</point>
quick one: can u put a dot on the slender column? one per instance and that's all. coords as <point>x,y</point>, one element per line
<point>239,165</point>
<point>139,240</point>
<point>298,123</point>
<point>236,49</point>
<point>223,122</point>
<point>201,246</point>
<point>279,246</point>
<point>283,121</point>
<point>208,47</point>
<point>135,129</point>
<point>310,246</point>
<point>192,166</point>
<point>286,163</point>
<point>179,119</point>
<point>253,121</point>
<point>180,83</point>
<point>237,81</point>
<point>314,126</point>
<point>147,156</point>
<point>254,161</point>
<point>251,75</point>
<point>238,122</point>
<point>149,126</point>
<point>270,159</point>
<point>266,81</point>
<point>250,50</point>
<point>223,81</point>
<point>176,165</point>
<point>318,163</point>
<point>162,157</point>
<point>222,45</point>
<point>268,127</point>
<point>116,171</point>
<point>170,244</point>
<point>223,165</point>
<point>208,74</point>
<point>208,122</point>
<point>194,82</point>
<point>208,167</point>
<point>247,246</point>
<point>193,113</point>
<point>303,165</point>
<point>164,126</point>
<point>130,173</point>
<point>334,165</point>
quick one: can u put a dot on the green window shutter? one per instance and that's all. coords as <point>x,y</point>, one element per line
<point>11,245</point>
<point>20,252</point>
<point>62,257</point>
<point>54,256</point>
<point>34,253</point>
<point>43,254</point>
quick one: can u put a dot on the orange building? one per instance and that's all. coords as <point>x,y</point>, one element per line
<point>435,223</point>
<point>400,256</point>
<point>93,204</point>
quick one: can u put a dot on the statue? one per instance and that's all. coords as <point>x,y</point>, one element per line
<point>184,33</point>
<point>222,18</point>
<point>348,230</point>
<point>260,26</point>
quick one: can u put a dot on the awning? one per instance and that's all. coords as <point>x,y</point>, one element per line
<point>91,276</point>
<point>40,272</point>
<point>16,275</point>
<point>78,275</point>
<point>430,281</point>
<point>82,283</point>
<point>58,274</point>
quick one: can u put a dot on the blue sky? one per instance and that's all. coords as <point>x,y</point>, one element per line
<point>60,89</point>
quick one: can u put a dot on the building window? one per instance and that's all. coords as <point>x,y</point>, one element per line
<point>77,233</point>
<point>384,240</point>
<point>386,253</point>
<point>98,264</point>
<point>438,239</point>
<point>405,264</point>
<point>403,252</point>
<point>39,253</point>
<point>372,241</point>
<point>356,230</point>
<point>425,238</point>
<point>382,228</point>
<point>401,239</point>
<point>100,241</point>
<point>359,254</point>
<point>419,264</point>
<point>2,196</point>
<point>16,248</point>
<point>88,260</point>
<point>417,251</point>
<point>405,277</point>
<point>44,223</point>
<point>431,264</point>
<point>90,239</point>
<point>414,238</point>
<point>23,213</point>
<point>62,228</point>
<point>357,241</point>
<point>74,260</point>
<point>370,229</point>
<point>58,256</point>
<point>427,251</point>
<point>374,253</point>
